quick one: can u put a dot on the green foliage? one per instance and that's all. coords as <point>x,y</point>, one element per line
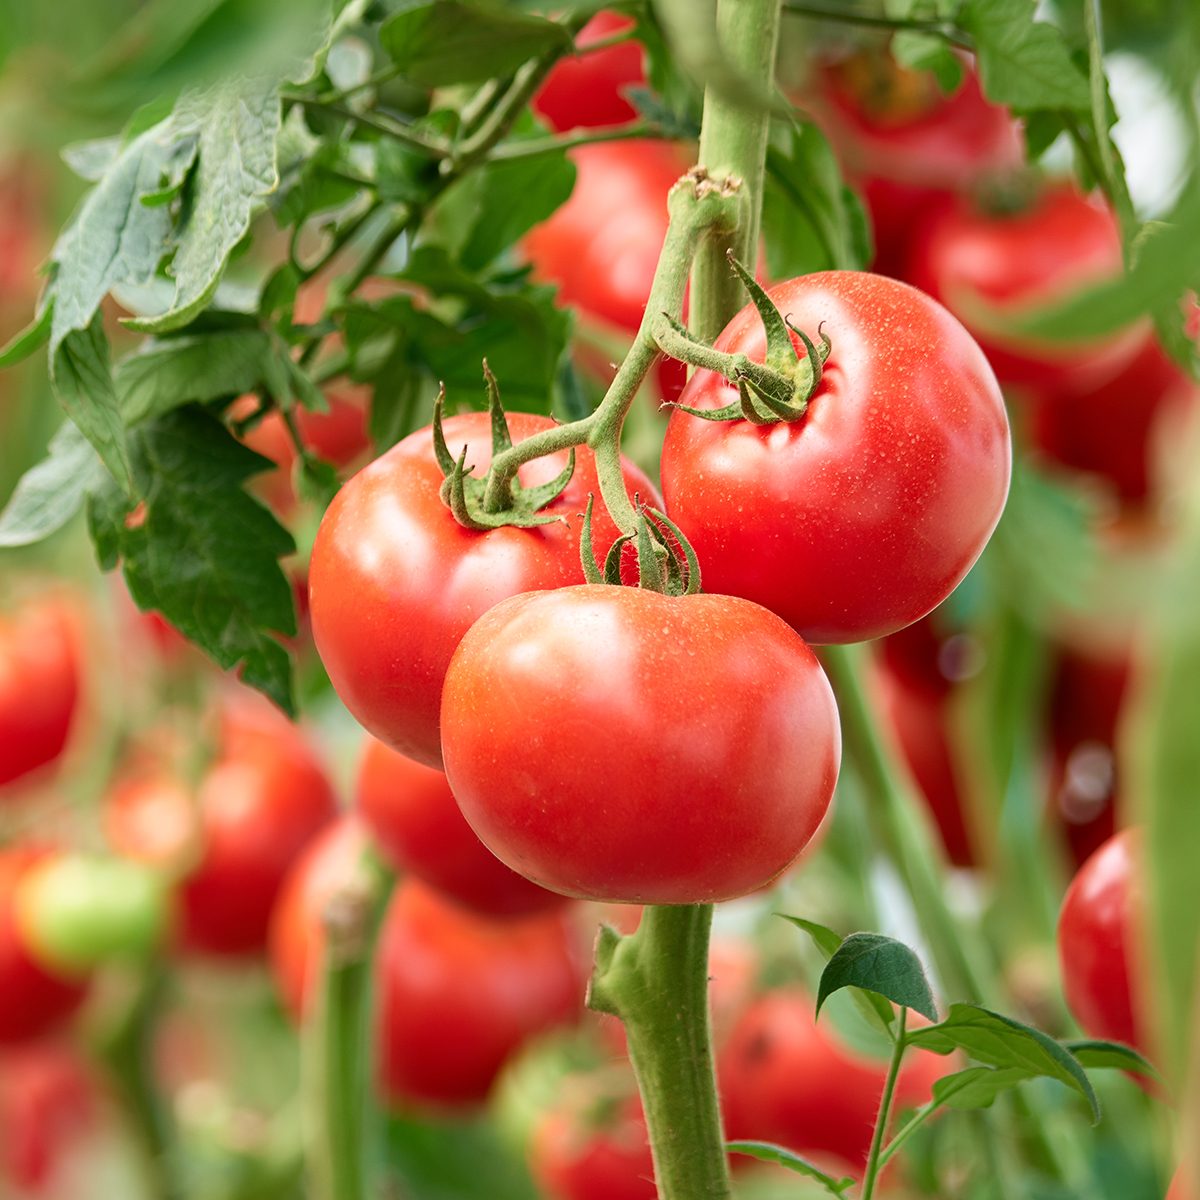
<point>51,493</point>
<point>766,1152</point>
<point>881,965</point>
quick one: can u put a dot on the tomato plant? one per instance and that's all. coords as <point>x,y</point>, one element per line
<point>413,816</point>
<point>780,514</point>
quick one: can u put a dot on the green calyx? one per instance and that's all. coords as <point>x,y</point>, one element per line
<point>667,564</point>
<point>477,502</point>
<point>778,389</point>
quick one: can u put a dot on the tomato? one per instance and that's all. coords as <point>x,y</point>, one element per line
<point>1110,430</point>
<point>395,581</point>
<point>1097,939</point>
<point>863,515</point>
<point>412,814</point>
<point>258,804</point>
<point>1181,1188</point>
<point>40,684</point>
<point>784,1078</point>
<point>1015,262</point>
<point>601,248</point>
<point>907,145</point>
<point>584,90</point>
<point>48,1101</point>
<point>34,998</point>
<point>600,1155</point>
<point>1087,696</point>
<point>617,744</point>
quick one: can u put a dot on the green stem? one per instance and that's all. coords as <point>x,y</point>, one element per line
<point>384,126</point>
<point>568,141</point>
<point>336,1042</point>
<point>942,29</point>
<point>733,144</point>
<point>885,1107</point>
<point>656,981</point>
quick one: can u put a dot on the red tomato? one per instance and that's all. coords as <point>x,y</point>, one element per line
<point>395,581</point>
<point>33,998</point>
<point>295,934</point>
<point>1097,939</point>
<point>459,994</point>
<point>262,800</point>
<point>584,90</point>
<point>1016,262</point>
<point>40,683</point>
<point>47,1102</point>
<point>1181,1188</point>
<point>1110,430</point>
<point>787,1079</point>
<point>1087,696</point>
<point>863,515</point>
<point>907,145</point>
<point>616,744</point>
<point>604,1155</point>
<point>413,815</point>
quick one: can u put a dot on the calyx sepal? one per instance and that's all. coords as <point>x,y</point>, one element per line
<point>666,561</point>
<point>465,494</point>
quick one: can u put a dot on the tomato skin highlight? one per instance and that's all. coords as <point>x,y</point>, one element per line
<point>616,744</point>
<point>395,581</point>
<point>1097,936</point>
<point>862,516</point>
<point>40,685</point>
<point>1062,243</point>
<point>34,999</point>
<point>784,1078</point>
<point>261,801</point>
<point>584,90</point>
<point>413,816</point>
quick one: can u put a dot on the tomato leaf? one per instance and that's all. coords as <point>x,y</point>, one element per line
<point>928,52</point>
<point>1100,1055</point>
<point>977,1087</point>
<point>200,550</point>
<point>880,964</point>
<point>1023,63</point>
<point>234,131</point>
<point>767,1152</point>
<point>999,1041</point>
<point>49,494</point>
<point>439,42</point>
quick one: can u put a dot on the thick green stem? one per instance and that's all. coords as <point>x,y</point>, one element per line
<point>337,1041</point>
<point>733,143</point>
<point>656,981</point>
<point>874,1163</point>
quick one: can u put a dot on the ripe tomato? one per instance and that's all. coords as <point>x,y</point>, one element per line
<point>260,802</point>
<point>784,1078</point>
<point>40,684</point>
<point>1111,429</point>
<point>616,744</point>
<point>863,515</point>
<point>602,1154</point>
<point>584,90</point>
<point>907,145</point>
<point>459,994</point>
<point>411,812</point>
<point>602,246</point>
<point>1181,1187</point>
<point>48,1102</point>
<point>34,999</point>
<point>1016,262</point>
<point>395,581</point>
<point>1097,937</point>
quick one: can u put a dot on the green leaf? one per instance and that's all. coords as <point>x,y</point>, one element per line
<point>977,1087</point>
<point>811,221</point>
<point>172,372</point>
<point>1112,1056</point>
<point>1023,63</point>
<point>201,551</point>
<point>82,380</point>
<point>767,1152</point>
<point>439,42</point>
<point>928,52</point>
<point>92,160</point>
<point>234,130</point>
<point>31,338</point>
<point>999,1041</point>
<point>879,964</point>
<point>49,494</point>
